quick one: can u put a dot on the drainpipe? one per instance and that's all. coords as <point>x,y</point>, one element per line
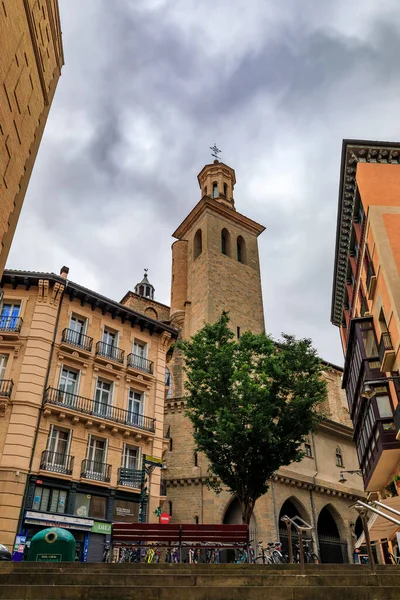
<point>314,515</point>
<point>46,380</point>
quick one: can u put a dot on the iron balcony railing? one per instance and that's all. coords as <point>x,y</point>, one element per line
<point>13,324</point>
<point>384,345</point>
<point>98,471</point>
<point>110,351</point>
<point>99,409</point>
<point>130,477</point>
<point>57,462</point>
<point>79,340</point>
<point>6,387</point>
<point>142,364</point>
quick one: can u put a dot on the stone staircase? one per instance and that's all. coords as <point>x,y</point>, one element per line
<point>97,581</point>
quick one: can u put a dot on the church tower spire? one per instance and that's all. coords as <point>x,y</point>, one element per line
<point>217,181</point>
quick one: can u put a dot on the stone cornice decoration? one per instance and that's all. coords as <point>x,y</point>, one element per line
<point>353,152</point>
<point>224,211</point>
<point>173,405</point>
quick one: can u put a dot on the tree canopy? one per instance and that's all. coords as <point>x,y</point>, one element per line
<point>252,402</point>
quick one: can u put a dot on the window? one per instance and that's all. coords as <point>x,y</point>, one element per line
<point>103,398</point>
<point>49,500</point>
<point>225,242</point>
<point>170,508</point>
<point>197,244</point>
<point>238,332</point>
<point>87,505</point>
<point>3,365</point>
<point>384,407</point>
<point>139,349</point>
<point>205,191</point>
<point>126,510</point>
<point>308,449</point>
<point>131,457</point>
<point>168,382</point>
<point>96,454</point>
<point>196,520</point>
<point>225,190</point>
<point>241,250</point>
<point>196,459</point>
<point>68,383</point>
<point>135,407</point>
<point>215,189</point>
<point>339,457</point>
<point>9,316</point>
<point>58,446</point>
<point>77,329</point>
<point>110,343</point>
<point>171,444</point>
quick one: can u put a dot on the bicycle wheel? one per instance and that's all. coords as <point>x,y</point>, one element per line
<point>277,557</point>
<point>261,560</point>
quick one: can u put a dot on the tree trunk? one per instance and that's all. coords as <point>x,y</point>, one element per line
<point>247,510</point>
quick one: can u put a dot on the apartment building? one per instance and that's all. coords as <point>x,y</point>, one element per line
<point>82,388</point>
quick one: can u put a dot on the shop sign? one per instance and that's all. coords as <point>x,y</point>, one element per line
<point>99,527</point>
<point>58,520</point>
<point>165,518</point>
<point>153,460</point>
<point>48,557</point>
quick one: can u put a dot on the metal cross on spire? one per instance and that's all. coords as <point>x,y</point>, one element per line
<point>215,151</point>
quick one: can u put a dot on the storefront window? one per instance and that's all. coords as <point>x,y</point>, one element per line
<point>127,511</point>
<point>87,505</point>
<point>49,500</point>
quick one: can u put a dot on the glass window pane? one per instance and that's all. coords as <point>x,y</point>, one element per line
<point>384,407</point>
<point>368,339</point>
<point>37,498</point>
<point>44,502</point>
<point>82,503</point>
<point>97,507</point>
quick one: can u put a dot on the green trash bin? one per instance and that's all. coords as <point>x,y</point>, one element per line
<point>52,545</point>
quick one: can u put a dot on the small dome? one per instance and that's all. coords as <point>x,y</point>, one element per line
<point>144,288</point>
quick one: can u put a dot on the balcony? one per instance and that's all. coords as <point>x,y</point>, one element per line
<point>98,471</point>
<point>99,411</point>
<point>129,477</point>
<point>371,281</point>
<point>6,387</point>
<point>10,327</point>
<point>77,340</point>
<point>56,462</point>
<point>109,352</point>
<point>140,364</point>
<point>381,455</point>
<point>387,354</point>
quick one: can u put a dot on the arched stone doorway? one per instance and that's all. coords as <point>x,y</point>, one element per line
<point>233,516</point>
<point>291,508</point>
<point>330,529</point>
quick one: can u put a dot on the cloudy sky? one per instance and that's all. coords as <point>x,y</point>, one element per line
<point>149,85</point>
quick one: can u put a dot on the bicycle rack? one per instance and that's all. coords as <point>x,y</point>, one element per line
<point>301,526</point>
<point>362,508</point>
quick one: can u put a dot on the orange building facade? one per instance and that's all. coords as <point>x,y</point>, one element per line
<point>366,302</point>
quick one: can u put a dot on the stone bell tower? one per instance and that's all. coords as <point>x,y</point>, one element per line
<point>215,267</point>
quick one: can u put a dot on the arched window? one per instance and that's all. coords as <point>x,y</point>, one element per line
<point>170,508</point>
<point>196,459</point>
<point>339,457</point>
<point>205,191</point>
<point>225,190</point>
<point>225,242</point>
<point>168,382</point>
<point>241,250</point>
<point>215,189</point>
<point>196,520</point>
<point>197,244</point>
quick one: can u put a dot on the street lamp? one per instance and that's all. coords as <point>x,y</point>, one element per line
<point>343,479</point>
<point>369,391</point>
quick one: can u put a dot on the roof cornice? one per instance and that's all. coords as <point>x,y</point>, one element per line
<point>209,203</point>
<point>86,296</point>
<point>353,152</point>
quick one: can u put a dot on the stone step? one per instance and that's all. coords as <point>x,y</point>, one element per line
<point>63,592</point>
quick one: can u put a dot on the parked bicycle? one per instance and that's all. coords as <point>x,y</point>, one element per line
<point>244,556</point>
<point>172,555</point>
<point>270,554</point>
<point>309,556</point>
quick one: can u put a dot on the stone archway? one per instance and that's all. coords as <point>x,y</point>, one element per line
<point>233,516</point>
<point>331,535</point>
<point>292,507</point>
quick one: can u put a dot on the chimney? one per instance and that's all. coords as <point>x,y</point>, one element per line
<point>64,272</point>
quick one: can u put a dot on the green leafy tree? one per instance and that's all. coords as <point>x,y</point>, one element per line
<point>252,402</point>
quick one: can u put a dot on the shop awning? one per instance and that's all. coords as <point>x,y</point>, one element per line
<point>380,528</point>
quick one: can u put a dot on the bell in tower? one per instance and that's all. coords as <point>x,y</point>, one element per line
<point>217,181</point>
<point>144,288</point>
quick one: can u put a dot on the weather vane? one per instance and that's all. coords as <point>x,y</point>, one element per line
<point>215,151</point>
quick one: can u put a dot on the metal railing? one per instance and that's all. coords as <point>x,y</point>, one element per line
<point>110,351</point>
<point>6,387</point>
<point>98,471</point>
<point>100,409</point>
<point>301,527</point>
<point>142,364</point>
<point>57,462</point>
<point>75,338</point>
<point>13,324</point>
<point>385,344</point>
<point>129,477</point>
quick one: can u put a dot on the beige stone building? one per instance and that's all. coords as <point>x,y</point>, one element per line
<point>31,57</point>
<point>215,267</point>
<point>82,387</point>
